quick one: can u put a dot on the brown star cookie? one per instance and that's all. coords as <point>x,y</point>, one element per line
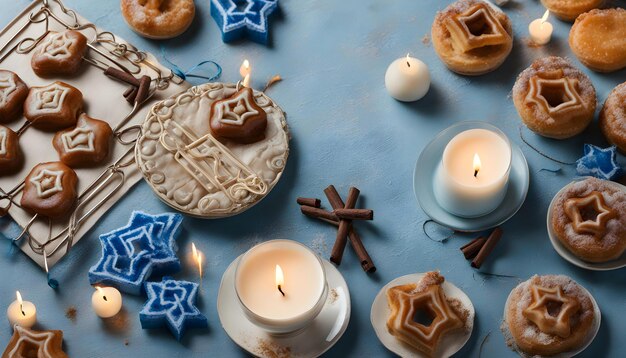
<point>53,107</point>
<point>10,153</point>
<point>13,92</point>
<point>238,118</point>
<point>50,189</point>
<point>28,343</point>
<point>86,144</point>
<point>60,54</point>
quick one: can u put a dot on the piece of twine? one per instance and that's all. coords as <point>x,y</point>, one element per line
<point>521,135</point>
<point>429,221</point>
<point>190,73</point>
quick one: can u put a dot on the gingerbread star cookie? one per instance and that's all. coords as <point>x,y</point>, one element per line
<point>13,92</point>
<point>238,118</point>
<point>28,343</point>
<point>86,144</point>
<point>53,107</point>
<point>50,189</point>
<point>61,54</point>
<point>10,153</point>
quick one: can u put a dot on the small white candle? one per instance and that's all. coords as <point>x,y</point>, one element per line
<point>281,285</point>
<point>541,30</point>
<point>473,176</point>
<point>407,79</point>
<point>22,313</point>
<point>106,301</point>
<point>245,68</point>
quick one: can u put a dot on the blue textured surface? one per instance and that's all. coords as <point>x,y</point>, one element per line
<point>346,131</point>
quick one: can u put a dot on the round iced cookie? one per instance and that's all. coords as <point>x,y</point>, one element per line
<point>50,190</point>
<point>198,173</point>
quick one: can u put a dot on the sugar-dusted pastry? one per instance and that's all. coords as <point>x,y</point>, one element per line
<point>589,219</point>
<point>424,298</point>
<point>28,343</point>
<point>13,92</point>
<point>598,39</point>
<point>87,144</point>
<point>158,19</point>
<point>238,118</point>
<point>569,10</point>
<point>50,189</point>
<point>61,54</point>
<point>53,107</point>
<point>472,37</point>
<point>10,153</point>
<point>613,117</point>
<point>554,98</point>
<point>549,315</point>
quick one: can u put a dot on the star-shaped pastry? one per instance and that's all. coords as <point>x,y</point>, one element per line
<point>171,303</point>
<point>131,254</point>
<point>589,214</point>
<point>48,182</point>
<point>238,118</point>
<point>551,310</point>
<point>475,28</point>
<point>27,343</point>
<point>406,302</point>
<point>60,54</point>
<point>599,163</point>
<point>86,144</point>
<point>238,18</point>
<point>555,95</point>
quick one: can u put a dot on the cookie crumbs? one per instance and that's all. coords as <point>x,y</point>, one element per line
<point>71,313</point>
<point>269,349</point>
<point>426,40</point>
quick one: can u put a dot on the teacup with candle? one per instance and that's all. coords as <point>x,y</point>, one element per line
<point>281,285</point>
<point>22,313</point>
<point>473,176</point>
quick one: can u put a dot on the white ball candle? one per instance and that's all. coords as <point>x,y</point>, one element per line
<point>540,30</point>
<point>106,301</point>
<point>407,79</point>
<point>22,313</point>
<point>473,176</point>
<point>281,285</point>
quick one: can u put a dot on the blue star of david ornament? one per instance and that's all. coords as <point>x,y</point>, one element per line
<point>172,304</point>
<point>131,254</point>
<point>599,163</point>
<point>239,18</point>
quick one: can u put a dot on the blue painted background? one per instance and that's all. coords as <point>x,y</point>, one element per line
<point>346,131</point>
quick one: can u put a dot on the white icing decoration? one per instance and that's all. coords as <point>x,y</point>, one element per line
<point>242,110</point>
<point>57,46</point>
<point>197,174</point>
<point>3,141</point>
<point>41,340</point>
<point>81,139</point>
<point>49,99</point>
<point>7,86</point>
<point>48,182</point>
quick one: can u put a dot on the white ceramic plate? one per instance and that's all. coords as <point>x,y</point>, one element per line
<point>592,333</point>
<point>449,345</point>
<point>313,341</point>
<point>568,255</point>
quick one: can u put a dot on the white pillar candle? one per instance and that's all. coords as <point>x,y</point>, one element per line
<point>22,313</point>
<point>281,285</point>
<point>473,176</point>
<point>407,79</point>
<point>106,301</point>
<point>541,30</point>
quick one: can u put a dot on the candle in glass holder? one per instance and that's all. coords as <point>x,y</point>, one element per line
<point>22,313</point>
<point>281,285</point>
<point>106,301</point>
<point>407,79</point>
<point>473,176</point>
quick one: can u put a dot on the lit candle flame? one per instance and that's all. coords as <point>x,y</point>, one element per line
<point>280,279</point>
<point>544,18</point>
<point>477,164</point>
<point>104,297</point>
<point>245,68</point>
<point>197,256</point>
<point>246,81</point>
<point>19,300</point>
<point>407,59</point>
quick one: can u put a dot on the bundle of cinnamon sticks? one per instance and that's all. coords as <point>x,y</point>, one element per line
<point>342,216</point>
<point>139,88</point>
<point>479,249</point>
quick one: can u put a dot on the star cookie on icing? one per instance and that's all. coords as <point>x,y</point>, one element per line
<point>238,118</point>
<point>239,18</point>
<point>60,54</point>
<point>84,145</point>
<point>550,310</point>
<point>599,163</point>
<point>476,28</point>
<point>406,301</point>
<point>131,254</point>
<point>171,303</point>
<point>555,95</point>
<point>27,343</point>
<point>577,209</point>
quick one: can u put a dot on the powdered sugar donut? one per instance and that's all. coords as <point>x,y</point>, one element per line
<point>158,19</point>
<point>613,117</point>
<point>569,10</point>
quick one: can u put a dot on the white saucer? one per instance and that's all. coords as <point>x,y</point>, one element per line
<point>312,341</point>
<point>592,334</point>
<point>423,178</point>
<point>449,345</point>
<point>569,256</point>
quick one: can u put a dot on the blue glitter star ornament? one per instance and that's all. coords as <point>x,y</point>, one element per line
<point>172,304</point>
<point>599,163</point>
<point>143,248</point>
<point>239,18</point>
